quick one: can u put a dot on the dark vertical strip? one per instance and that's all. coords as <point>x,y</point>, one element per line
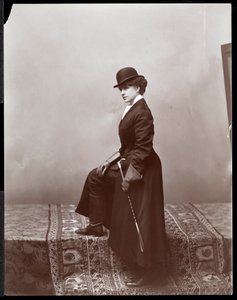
<point>2,157</point>
<point>1,50</point>
<point>1,245</point>
<point>48,250</point>
<point>59,244</point>
<point>49,225</point>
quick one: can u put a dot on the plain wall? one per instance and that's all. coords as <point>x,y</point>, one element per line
<point>62,112</point>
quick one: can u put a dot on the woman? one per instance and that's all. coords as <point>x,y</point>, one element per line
<point>129,200</point>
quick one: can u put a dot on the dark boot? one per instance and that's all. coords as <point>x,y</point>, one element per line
<point>148,277</point>
<point>96,217</point>
<point>91,230</point>
<point>143,280</point>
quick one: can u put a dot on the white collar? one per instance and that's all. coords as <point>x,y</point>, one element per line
<point>137,98</point>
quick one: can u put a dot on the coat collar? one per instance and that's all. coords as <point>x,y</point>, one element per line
<point>142,100</point>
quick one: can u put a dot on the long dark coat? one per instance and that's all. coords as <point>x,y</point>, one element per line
<point>136,132</point>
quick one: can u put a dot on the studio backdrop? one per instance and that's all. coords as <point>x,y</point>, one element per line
<point>62,113</point>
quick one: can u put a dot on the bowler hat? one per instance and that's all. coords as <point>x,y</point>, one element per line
<point>126,74</point>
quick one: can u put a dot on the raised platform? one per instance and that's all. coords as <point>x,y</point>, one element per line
<point>44,256</point>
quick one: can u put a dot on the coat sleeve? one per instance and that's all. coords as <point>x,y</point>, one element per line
<point>144,132</point>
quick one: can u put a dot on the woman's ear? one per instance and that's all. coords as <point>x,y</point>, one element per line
<point>138,89</point>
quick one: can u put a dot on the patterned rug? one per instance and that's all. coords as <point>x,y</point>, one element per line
<point>43,255</point>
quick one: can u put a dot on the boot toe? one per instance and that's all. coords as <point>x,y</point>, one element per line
<point>139,282</point>
<point>91,230</point>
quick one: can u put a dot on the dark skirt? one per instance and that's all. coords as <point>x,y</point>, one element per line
<point>148,205</point>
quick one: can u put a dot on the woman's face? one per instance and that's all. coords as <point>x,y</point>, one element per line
<point>129,92</point>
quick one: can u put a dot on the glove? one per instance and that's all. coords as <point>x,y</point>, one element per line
<point>102,168</point>
<point>125,185</point>
<point>131,176</point>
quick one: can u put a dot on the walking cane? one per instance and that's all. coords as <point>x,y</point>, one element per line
<point>134,217</point>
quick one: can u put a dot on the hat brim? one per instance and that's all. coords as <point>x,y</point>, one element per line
<point>128,78</point>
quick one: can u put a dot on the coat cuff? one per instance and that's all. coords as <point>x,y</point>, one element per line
<point>113,158</point>
<point>132,174</point>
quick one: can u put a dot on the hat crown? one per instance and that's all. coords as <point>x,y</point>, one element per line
<point>126,74</point>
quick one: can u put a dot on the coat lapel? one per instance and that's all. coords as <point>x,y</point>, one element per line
<point>131,109</point>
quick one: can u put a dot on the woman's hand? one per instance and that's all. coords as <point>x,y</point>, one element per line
<point>102,168</point>
<point>125,185</point>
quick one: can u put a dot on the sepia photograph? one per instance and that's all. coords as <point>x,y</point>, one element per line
<point>117,149</point>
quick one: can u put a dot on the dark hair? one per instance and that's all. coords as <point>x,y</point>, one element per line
<point>140,82</point>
